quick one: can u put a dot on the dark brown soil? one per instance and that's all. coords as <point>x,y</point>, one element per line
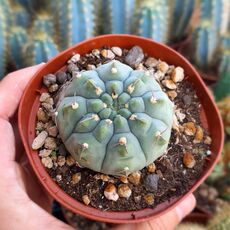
<point>175,178</point>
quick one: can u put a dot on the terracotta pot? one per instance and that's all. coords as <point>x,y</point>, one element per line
<point>30,103</point>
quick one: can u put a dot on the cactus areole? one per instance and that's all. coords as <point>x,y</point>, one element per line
<point>114,120</point>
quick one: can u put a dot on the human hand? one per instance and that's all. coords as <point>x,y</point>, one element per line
<point>23,203</point>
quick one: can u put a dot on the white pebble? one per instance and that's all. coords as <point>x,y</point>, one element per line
<point>39,141</point>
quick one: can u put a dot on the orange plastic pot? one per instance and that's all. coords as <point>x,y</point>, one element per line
<point>30,103</point>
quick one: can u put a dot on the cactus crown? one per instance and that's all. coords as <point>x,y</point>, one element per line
<point>114,119</point>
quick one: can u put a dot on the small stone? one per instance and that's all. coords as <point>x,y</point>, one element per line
<point>104,53</point>
<point>134,56</point>
<point>53,131</point>
<point>61,160</point>
<point>39,141</point>
<point>49,80</point>
<point>159,75</point>
<point>163,67</point>
<point>44,153</point>
<point>123,179</point>
<point>50,143</point>
<point>110,54</point>
<point>42,116</point>
<point>151,182</point>
<point>137,199</point>
<point>72,68</point>
<point>91,67</point>
<point>151,168</point>
<point>47,106</point>
<point>177,74</point>
<point>110,192</point>
<point>180,116</point>
<point>124,191</point>
<point>189,128</point>
<point>62,150</point>
<point>86,199</point>
<point>117,50</point>
<point>53,88</point>
<point>47,162</point>
<point>96,52</point>
<point>187,100</point>
<point>189,160</point>
<point>58,178</point>
<point>76,178</point>
<point>70,161</point>
<point>61,77</point>
<point>172,94</point>
<point>149,199</point>
<point>151,62</point>
<point>199,135</point>
<point>44,97</point>
<point>104,178</point>
<point>208,153</point>
<point>75,58</point>
<point>40,126</point>
<point>208,140</point>
<point>169,84</point>
<point>135,177</point>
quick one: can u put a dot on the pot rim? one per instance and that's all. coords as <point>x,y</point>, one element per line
<point>70,203</point>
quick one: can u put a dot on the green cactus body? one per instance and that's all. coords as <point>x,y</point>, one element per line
<point>114,119</point>
<point>180,15</point>
<point>224,66</point>
<point>217,11</point>
<point>119,14</point>
<point>152,20</point>
<point>76,21</point>
<point>21,17</point>
<point>6,10</point>
<point>3,42</point>
<point>41,49</point>
<point>205,43</point>
<point>18,39</point>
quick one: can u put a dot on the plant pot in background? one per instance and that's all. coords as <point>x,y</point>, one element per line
<point>30,102</point>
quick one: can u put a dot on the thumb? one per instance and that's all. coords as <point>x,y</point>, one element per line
<point>166,222</point>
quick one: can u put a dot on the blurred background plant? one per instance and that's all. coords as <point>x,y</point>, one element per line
<point>33,31</point>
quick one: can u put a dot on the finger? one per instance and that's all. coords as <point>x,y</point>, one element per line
<point>166,222</point>
<point>11,89</point>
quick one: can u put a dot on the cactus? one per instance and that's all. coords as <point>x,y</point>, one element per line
<point>224,108</point>
<point>2,43</point>
<point>221,220</point>
<point>180,15</point>
<point>33,5</point>
<point>119,15</point>
<point>21,17</point>
<point>114,114</point>
<point>205,43</point>
<point>222,87</point>
<point>6,10</point>
<point>17,40</point>
<point>76,21</point>
<point>41,49</point>
<point>217,11</point>
<point>152,20</point>
<point>43,23</point>
<point>224,66</point>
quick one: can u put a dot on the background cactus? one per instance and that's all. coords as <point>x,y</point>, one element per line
<point>205,45</point>
<point>21,16</point>
<point>118,15</point>
<point>152,19</point>
<point>17,39</point>
<point>2,43</point>
<point>217,11</point>
<point>115,114</point>
<point>41,49</point>
<point>180,15</point>
<point>224,108</point>
<point>75,21</point>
